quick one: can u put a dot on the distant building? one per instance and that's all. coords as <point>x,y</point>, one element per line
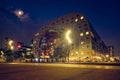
<point>24,51</point>
<point>111,51</point>
<point>72,36</point>
<point>9,44</point>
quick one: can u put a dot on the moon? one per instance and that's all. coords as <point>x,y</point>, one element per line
<point>19,13</point>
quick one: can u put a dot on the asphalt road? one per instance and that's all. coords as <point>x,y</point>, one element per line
<point>38,71</point>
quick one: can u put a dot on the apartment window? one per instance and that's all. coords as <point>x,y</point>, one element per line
<point>82,17</point>
<point>82,42</point>
<point>78,15</point>
<point>72,54</point>
<point>87,33</point>
<point>76,20</point>
<point>67,20</point>
<point>87,37</point>
<point>82,53</point>
<point>72,18</point>
<point>81,34</point>
<point>86,29</point>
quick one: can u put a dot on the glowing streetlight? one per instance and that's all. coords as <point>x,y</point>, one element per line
<point>11,47</point>
<point>10,42</point>
<point>68,36</point>
<point>69,41</point>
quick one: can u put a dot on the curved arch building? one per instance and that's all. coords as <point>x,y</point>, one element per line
<point>69,38</point>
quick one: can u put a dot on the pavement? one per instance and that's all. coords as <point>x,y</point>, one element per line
<point>53,71</point>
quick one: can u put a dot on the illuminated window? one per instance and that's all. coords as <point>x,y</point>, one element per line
<point>82,17</point>
<point>82,42</point>
<point>76,20</point>
<point>76,53</point>
<point>82,53</point>
<point>72,54</point>
<point>87,33</point>
<point>81,34</point>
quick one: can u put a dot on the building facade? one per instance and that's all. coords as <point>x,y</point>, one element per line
<point>70,38</point>
<point>111,50</point>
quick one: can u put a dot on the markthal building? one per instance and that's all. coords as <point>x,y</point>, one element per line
<point>70,38</point>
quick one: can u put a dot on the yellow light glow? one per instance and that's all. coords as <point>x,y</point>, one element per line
<point>107,55</point>
<point>12,47</point>
<point>82,53</point>
<point>67,36</point>
<point>81,34</point>
<point>10,42</point>
<point>112,59</point>
<point>82,42</point>
<point>87,33</point>
<point>72,54</point>
<point>82,17</point>
<point>76,53</point>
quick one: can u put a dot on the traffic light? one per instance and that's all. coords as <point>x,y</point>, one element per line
<point>19,45</point>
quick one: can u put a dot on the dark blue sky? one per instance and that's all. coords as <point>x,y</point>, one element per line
<point>103,14</point>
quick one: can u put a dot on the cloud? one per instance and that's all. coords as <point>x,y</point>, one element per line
<point>21,15</point>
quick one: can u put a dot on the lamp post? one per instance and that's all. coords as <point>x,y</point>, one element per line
<point>10,42</point>
<point>9,51</point>
<point>69,41</point>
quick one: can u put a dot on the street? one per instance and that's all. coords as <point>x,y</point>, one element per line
<point>56,71</point>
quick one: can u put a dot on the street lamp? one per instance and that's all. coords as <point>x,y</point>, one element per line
<point>10,42</point>
<point>69,41</point>
<point>68,36</point>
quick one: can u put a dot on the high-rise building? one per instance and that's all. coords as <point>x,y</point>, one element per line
<point>111,51</point>
<point>72,36</point>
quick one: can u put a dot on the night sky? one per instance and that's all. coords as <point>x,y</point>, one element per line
<point>104,15</point>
